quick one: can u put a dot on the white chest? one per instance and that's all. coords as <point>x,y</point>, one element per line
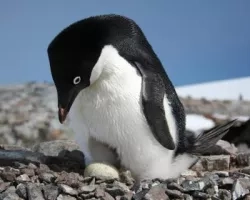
<point>111,108</point>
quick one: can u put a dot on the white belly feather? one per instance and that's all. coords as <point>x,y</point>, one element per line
<point>111,111</point>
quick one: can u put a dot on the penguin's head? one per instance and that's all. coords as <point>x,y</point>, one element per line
<point>74,52</point>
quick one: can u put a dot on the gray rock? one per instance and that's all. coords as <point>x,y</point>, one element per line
<point>32,166</point>
<point>4,186</point>
<point>193,185</point>
<point>21,191</point>
<point>12,196</point>
<point>246,170</point>
<point>55,148</point>
<point>174,194</point>
<point>34,192</point>
<point>87,188</point>
<point>65,197</point>
<point>225,194</point>
<point>157,192</point>
<point>8,176</point>
<point>201,195</point>
<point>107,196</point>
<point>28,171</point>
<point>227,181</point>
<point>68,190</point>
<point>126,177</point>
<point>187,197</point>
<point>23,178</point>
<point>51,192</point>
<point>211,163</point>
<point>70,179</point>
<point>47,177</point>
<point>239,189</point>
<point>243,159</point>
<point>8,193</point>
<point>175,186</point>
<point>99,192</point>
<point>115,191</point>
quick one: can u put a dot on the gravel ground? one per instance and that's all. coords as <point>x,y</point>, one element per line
<point>50,174</point>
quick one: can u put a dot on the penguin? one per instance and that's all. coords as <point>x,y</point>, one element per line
<point>116,96</point>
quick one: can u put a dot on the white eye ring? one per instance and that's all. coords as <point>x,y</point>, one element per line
<point>77,80</point>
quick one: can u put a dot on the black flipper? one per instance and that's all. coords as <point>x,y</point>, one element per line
<point>153,91</point>
<point>207,140</point>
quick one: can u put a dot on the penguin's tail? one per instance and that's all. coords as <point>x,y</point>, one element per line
<point>206,140</point>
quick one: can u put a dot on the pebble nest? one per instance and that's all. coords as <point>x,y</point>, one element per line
<point>39,182</point>
<point>58,174</point>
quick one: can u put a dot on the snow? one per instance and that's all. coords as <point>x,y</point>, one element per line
<point>197,123</point>
<point>221,90</point>
<point>241,118</point>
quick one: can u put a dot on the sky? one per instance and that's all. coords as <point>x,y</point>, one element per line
<point>196,41</point>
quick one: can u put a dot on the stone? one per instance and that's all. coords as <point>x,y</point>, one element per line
<point>68,190</point>
<point>101,171</point>
<point>55,147</point>
<point>189,173</point>
<point>70,179</point>
<point>4,186</point>
<point>227,181</point>
<point>239,189</point>
<point>47,177</point>
<point>174,194</point>
<point>115,191</point>
<point>193,185</point>
<point>28,171</point>
<point>87,188</point>
<point>65,197</point>
<point>32,166</point>
<point>21,191</point>
<point>34,192</point>
<point>224,194</point>
<point>157,192</point>
<point>11,196</point>
<point>99,192</point>
<point>107,196</point>
<point>8,176</point>
<point>212,163</point>
<point>243,159</point>
<point>51,192</point>
<point>126,177</point>
<point>23,178</point>
<point>200,195</point>
<point>246,170</point>
<point>175,186</point>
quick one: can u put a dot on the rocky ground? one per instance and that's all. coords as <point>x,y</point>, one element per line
<point>55,171</point>
<point>46,164</point>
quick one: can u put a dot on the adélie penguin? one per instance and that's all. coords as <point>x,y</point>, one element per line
<point>119,100</point>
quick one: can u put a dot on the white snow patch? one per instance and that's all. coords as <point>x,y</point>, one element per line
<point>229,89</point>
<point>197,123</point>
<point>241,118</point>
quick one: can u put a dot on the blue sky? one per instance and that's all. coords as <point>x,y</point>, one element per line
<point>196,40</point>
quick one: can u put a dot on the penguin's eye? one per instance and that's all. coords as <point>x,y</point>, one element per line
<point>77,80</point>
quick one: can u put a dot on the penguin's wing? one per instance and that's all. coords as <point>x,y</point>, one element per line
<point>204,141</point>
<point>153,91</point>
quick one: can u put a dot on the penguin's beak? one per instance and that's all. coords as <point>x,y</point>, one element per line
<point>65,101</point>
<point>62,114</point>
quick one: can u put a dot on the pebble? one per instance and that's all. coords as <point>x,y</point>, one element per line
<point>67,189</point>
